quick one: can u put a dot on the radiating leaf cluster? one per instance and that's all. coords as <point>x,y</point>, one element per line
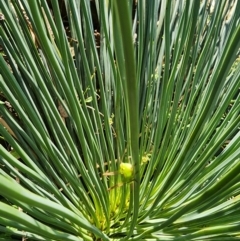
<point>119,120</point>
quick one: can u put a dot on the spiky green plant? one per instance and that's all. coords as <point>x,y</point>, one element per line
<point>119,120</point>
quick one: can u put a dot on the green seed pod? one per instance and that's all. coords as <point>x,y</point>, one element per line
<point>126,169</point>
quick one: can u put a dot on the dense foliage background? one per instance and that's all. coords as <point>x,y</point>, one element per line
<point>119,120</point>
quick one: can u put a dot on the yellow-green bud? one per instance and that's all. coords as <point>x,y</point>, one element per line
<point>126,169</point>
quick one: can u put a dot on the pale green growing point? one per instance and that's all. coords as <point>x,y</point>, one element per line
<point>126,169</point>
